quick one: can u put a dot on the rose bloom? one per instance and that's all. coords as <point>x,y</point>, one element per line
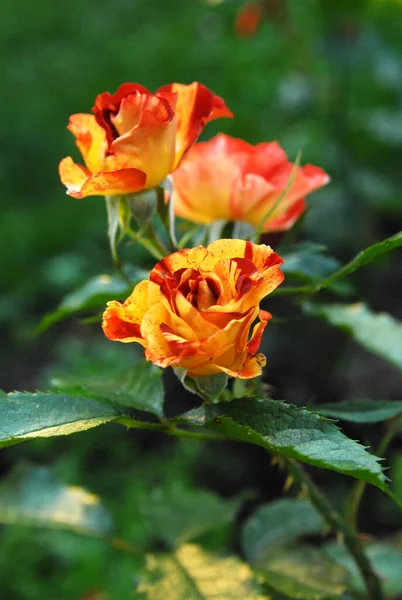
<point>134,138</point>
<point>200,309</point>
<point>248,18</point>
<point>227,178</point>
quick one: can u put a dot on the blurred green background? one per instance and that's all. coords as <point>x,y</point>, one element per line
<point>321,76</point>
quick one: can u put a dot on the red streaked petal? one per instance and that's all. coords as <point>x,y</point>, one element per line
<point>196,105</point>
<point>105,100</point>
<point>90,139</point>
<point>143,111</point>
<point>251,194</point>
<point>285,219</point>
<point>229,179</point>
<point>149,145</point>
<point>126,181</point>
<point>258,330</point>
<point>260,255</point>
<point>157,349</point>
<point>203,188</point>
<point>81,183</point>
<point>315,176</point>
<point>107,105</point>
<point>183,259</point>
<point>121,322</point>
<point>72,176</point>
<point>265,158</point>
<point>118,327</point>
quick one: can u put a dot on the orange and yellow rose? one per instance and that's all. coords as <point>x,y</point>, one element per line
<point>200,309</point>
<point>134,138</point>
<point>229,179</point>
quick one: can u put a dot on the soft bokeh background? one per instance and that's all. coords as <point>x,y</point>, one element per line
<point>321,76</point>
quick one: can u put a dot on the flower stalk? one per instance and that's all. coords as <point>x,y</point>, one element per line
<point>341,526</point>
<point>352,504</point>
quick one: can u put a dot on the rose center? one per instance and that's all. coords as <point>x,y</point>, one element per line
<point>201,292</point>
<point>110,128</point>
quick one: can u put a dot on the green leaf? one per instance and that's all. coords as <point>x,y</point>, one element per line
<point>24,415</point>
<point>139,386</point>
<point>292,432</point>
<point>92,295</point>
<point>386,560</point>
<point>178,514</point>
<point>378,332</point>
<point>210,388</point>
<point>361,411</point>
<point>189,383</point>
<point>362,259</point>
<point>249,388</point>
<point>308,262</point>
<point>305,573</point>
<point>275,525</point>
<point>191,573</point>
<point>33,496</point>
<point>365,257</point>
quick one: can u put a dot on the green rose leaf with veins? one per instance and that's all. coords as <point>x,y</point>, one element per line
<point>292,432</point>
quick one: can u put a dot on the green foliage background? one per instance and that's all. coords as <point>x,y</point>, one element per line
<point>324,77</point>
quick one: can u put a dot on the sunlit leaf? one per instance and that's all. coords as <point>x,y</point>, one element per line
<point>139,386</point>
<point>292,432</point>
<point>276,524</point>
<point>378,332</point>
<point>362,411</point>
<point>305,573</point>
<point>191,573</point>
<point>33,496</point>
<point>24,415</point>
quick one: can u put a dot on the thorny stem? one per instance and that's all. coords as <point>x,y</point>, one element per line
<point>171,429</point>
<point>317,499</point>
<point>124,545</point>
<point>336,521</point>
<point>291,291</point>
<point>353,502</point>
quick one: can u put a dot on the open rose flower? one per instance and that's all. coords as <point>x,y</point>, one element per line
<point>200,309</point>
<point>134,138</point>
<point>227,178</point>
